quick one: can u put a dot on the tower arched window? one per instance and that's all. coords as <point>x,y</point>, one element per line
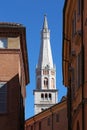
<point>46,96</point>
<point>45,82</point>
<point>52,83</point>
<point>50,96</point>
<point>42,96</point>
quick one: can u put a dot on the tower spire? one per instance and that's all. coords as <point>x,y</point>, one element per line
<point>45,56</point>
<point>45,24</point>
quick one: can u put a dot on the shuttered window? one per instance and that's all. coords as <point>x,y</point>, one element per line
<point>74,24</point>
<point>57,117</point>
<point>79,69</point>
<point>79,7</point>
<point>3,97</point>
<point>48,122</point>
<point>39,125</point>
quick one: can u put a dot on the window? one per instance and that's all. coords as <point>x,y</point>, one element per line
<point>79,69</point>
<point>46,82</point>
<point>42,109</point>
<point>72,76</point>
<point>50,96</point>
<point>73,83</point>
<point>3,97</point>
<point>57,117</point>
<point>10,42</point>
<point>78,127</point>
<point>74,24</point>
<point>42,96</point>
<point>46,96</point>
<point>53,72</point>
<point>45,72</point>
<point>39,125</point>
<point>79,7</point>
<point>3,42</point>
<point>48,121</point>
<point>73,91</point>
<point>31,127</point>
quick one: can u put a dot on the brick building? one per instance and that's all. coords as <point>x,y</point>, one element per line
<point>75,62</point>
<point>52,118</point>
<point>14,75</point>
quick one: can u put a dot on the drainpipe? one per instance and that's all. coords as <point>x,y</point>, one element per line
<point>69,109</point>
<point>69,102</point>
<point>83,113</point>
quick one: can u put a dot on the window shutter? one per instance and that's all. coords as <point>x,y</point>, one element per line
<point>79,69</point>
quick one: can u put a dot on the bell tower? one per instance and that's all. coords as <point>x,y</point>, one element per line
<point>45,94</point>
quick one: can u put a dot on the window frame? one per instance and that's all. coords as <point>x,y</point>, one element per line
<point>3,98</point>
<point>4,42</point>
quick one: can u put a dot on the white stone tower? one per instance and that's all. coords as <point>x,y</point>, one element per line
<point>45,94</point>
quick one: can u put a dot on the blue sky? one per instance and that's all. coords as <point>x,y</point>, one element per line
<point>30,13</point>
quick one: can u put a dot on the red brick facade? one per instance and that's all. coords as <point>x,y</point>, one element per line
<point>75,62</point>
<point>13,68</point>
<point>53,118</point>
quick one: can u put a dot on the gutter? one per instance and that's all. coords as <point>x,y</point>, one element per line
<point>82,46</point>
<point>64,9</point>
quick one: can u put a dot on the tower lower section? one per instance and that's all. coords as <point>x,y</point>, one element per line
<point>44,99</point>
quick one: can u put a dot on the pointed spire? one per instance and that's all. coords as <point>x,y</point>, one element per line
<point>45,56</point>
<point>45,24</point>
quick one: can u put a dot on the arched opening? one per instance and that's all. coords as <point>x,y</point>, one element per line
<point>50,96</point>
<point>45,82</point>
<point>46,96</point>
<point>42,96</point>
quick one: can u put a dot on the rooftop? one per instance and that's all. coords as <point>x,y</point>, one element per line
<point>8,24</point>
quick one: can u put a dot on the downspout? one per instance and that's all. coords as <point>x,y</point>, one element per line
<point>83,113</point>
<point>69,108</point>
<point>69,104</point>
<point>69,96</point>
<point>21,109</point>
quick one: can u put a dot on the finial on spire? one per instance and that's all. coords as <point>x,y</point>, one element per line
<point>45,24</point>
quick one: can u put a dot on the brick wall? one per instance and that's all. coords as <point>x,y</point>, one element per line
<point>13,118</point>
<point>51,119</point>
